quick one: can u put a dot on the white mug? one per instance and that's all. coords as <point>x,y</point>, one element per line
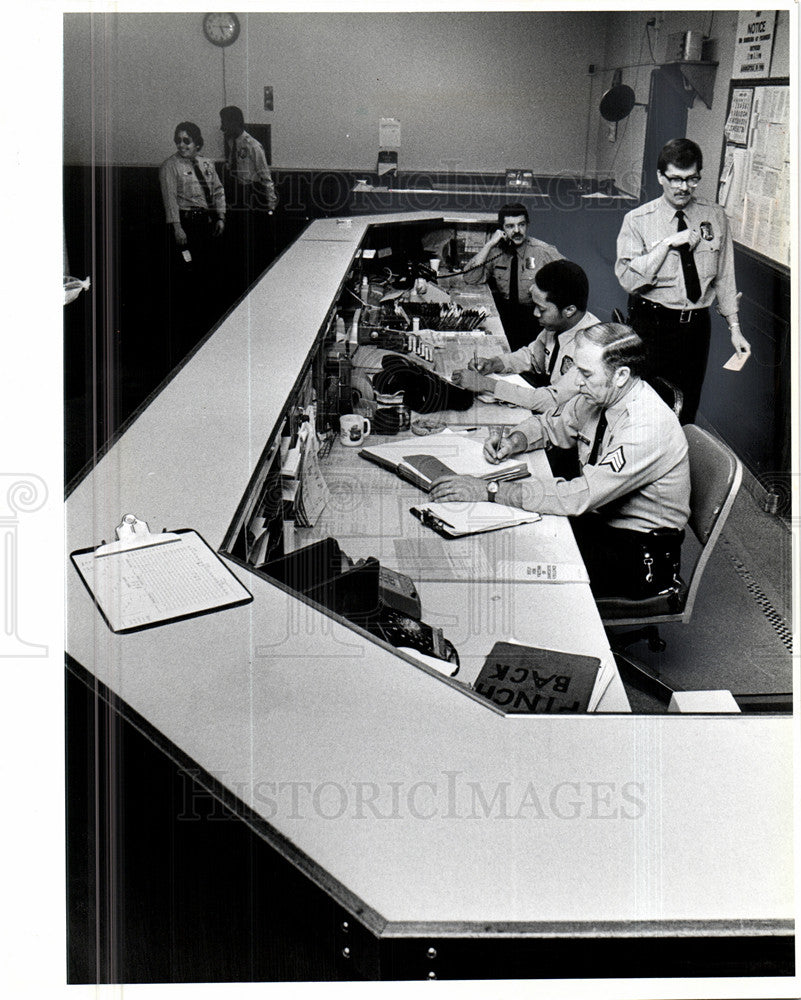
<point>353,429</point>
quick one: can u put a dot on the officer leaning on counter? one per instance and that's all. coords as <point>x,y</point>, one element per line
<point>559,299</point>
<point>630,503</point>
<point>674,256</point>
<point>508,262</point>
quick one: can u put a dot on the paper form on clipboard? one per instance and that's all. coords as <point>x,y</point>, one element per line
<point>152,579</point>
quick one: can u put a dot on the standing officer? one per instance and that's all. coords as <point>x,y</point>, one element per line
<point>630,504</point>
<point>508,261</point>
<point>674,256</point>
<point>250,193</point>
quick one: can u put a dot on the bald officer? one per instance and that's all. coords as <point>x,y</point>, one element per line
<point>630,503</point>
<point>674,257</point>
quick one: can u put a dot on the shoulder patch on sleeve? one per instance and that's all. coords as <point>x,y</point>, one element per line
<point>615,459</point>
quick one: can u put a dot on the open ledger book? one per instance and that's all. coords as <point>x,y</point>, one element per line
<point>422,461</point>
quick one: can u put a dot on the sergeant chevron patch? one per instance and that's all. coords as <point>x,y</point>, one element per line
<point>616,459</point>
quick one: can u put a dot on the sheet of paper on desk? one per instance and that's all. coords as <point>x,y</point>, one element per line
<point>528,571</point>
<point>313,494</point>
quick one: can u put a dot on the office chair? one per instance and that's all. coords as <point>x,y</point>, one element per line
<point>668,392</point>
<point>715,477</point>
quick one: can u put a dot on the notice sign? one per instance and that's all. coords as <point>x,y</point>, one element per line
<point>754,46</point>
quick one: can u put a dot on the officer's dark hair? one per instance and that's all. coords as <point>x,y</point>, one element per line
<point>191,130</point>
<point>513,208</point>
<point>622,347</point>
<point>233,114</point>
<point>565,284</point>
<point>681,153</point>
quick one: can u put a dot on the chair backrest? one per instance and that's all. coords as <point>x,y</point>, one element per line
<point>668,393</point>
<point>715,477</point>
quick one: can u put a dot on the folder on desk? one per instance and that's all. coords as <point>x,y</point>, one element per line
<point>446,454</point>
<point>529,680</point>
<point>455,520</point>
<point>153,579</point>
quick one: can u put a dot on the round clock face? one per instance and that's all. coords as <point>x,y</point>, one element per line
<point>221,29</point>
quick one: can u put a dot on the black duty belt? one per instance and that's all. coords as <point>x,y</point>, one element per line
<point>196,213</point>
<point>685,315</point>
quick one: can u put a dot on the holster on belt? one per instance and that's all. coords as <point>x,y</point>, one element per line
<point>660,558</point>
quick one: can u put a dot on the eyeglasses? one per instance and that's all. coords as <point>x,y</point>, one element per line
<point>676,182</point>
<point>184,140</point>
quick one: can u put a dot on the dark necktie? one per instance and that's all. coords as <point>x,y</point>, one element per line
<point>691,283</point>
<point>599,436</point>
<point>513,278</point>
<point>232,157</point>
<point>554,355</point>
<point>204,184</point>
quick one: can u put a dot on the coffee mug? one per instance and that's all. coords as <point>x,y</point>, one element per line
<point>353,429</point>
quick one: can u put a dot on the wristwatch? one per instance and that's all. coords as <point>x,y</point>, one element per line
<point>492,489</point>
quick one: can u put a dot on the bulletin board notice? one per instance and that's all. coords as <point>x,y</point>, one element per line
<point>754,183</point>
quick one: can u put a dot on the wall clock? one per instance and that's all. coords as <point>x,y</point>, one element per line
<point>221,29</point>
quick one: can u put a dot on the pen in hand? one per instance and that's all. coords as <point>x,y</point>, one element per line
<point>494,444</point>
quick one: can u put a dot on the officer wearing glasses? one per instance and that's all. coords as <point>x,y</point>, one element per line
<point>674,258</point>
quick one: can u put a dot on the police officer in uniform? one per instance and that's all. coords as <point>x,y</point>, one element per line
<point>630,504</point>
<point>250,194</point>
<point>559,299</point>
<point>508,261</point>
<point>674,257</point>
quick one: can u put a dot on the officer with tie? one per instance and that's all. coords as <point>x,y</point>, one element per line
<point>674,258</point>
<point>630,503</point>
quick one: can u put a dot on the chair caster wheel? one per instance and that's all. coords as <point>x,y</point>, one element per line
<point>657,645</point>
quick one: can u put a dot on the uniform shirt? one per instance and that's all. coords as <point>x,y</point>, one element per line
<point>181,190</point>
<point>641,480</point>
<point>537,357</point>
<point>528,258</point>
<point>644,227</point>
<point>251,165</point>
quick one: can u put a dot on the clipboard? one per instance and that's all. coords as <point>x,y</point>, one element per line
<point>143,580</point>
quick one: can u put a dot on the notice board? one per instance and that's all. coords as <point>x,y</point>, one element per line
<point>754,181</point>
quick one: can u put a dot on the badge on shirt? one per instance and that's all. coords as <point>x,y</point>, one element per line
<point>706,230</point>
<point>616,459</point>
<point>567,364</point>
<point>531,264</point>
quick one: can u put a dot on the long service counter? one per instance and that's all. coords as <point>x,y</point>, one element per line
<point>429,819</point>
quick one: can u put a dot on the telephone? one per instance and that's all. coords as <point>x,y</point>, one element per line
<point>382,601</point>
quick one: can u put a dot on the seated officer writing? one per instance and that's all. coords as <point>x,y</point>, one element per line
<point>508,262</point>
<point>630,504</point>
<point>559,296</point>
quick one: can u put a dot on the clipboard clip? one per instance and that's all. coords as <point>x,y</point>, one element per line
<point>132,534</point>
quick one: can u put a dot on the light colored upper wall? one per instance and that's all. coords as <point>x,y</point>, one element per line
<point>476,92</point>
<point>627,44</point>
<point>473,91</point>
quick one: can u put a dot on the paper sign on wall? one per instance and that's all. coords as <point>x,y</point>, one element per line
<point>389,133</point>
<point>754,45</point>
